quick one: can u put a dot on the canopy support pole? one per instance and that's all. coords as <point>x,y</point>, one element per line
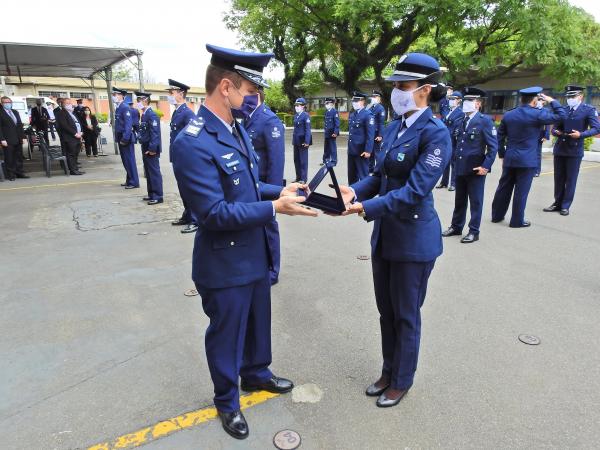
<point>111,106</point>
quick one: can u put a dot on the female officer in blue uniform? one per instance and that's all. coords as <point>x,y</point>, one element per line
<point>407,235</point>
<point>151,147</point>
<point>581,122</point>
<point>301,140</point>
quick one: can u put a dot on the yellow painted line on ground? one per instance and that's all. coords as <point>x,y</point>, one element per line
<point>596,166</point>
<point>77,183</point>
<point>170,426</point>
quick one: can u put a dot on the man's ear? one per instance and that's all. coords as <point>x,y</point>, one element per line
<point>223,87</point>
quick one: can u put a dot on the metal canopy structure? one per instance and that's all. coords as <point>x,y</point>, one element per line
<point>44,60</point>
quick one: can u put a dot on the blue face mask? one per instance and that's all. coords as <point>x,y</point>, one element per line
<point>249,104</point>
<point>7,106</point>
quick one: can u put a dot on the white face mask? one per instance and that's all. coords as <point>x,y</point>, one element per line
<point>116,99</point>
<point>171,100</point>
<point>539,104</point>
<point>140,105</point>
<point>573,102</point>
<point>469,106</point>
<point>375,100</point>
<point>403,101</point>
<point>452,103</point>
<point>328,106</point>
<point>69,108</point>
<point>299,109</point>
<point>357,105</point>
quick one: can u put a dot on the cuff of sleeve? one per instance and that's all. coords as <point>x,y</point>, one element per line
<point>273,205</point>
<point>374,208</point>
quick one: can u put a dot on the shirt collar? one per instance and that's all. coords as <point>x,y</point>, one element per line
<point>414,116</point>
<point>229,126</point>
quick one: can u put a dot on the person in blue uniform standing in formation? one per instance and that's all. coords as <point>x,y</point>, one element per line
<point>544,136</point>
<point>476,148</point>
<point>135,118</point>
<point>151,145</point>
<point>407,235</point>
<point>518,137</point>
<point>378,112</point>
<point>217,171</point>
<point>179,119</point>
<point>301,140</point>
<point>361,138</point>
<point>267,134</point>
<point>581,121</point>
<point>453,121</point>
<point>445,101</point>
<point>331,132</point>
<point>125,138</point>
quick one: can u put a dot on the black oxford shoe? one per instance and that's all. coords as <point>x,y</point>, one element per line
<point>525,224</point>
<point>451,232</point>
<point>552,208</point>
<point>154,201</point>
<point>384,402</point>
<point>374,391</point>
<point>124,184</point>
<point>564,212</point>
<point>131,187</point>
<point>75,173</point>
<point>235,424</point>
<point>191,228</point>
<point>179,222</point>
<point>470,238</point>
<point>22,175</point>
<point>497,220</point>
<point>146,199</point>
<point>275,384</point>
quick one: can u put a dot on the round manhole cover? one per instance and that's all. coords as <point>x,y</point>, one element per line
<point>529,339</point>
<point>287,440</point>
<point>363,257</point>
<point>190,293</point>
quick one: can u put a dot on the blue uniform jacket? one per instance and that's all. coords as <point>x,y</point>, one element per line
<point>519,133</point>
<point>585,120</point>
<point>180,118</point>
<point>302,133</point>
<point>361,127</point>
<point>268,138</point>
<point>219,180</point>
<point>150,131</point>
<point>332,123</point>
<point>135,123</point>
<point>444,107</point>
<point>124,124</point>
<point>398,196</point>
<point>378,112</point>
<point>472,143</point>
<point>453,122</point>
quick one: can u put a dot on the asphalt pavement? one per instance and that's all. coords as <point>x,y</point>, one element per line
<point>98,339</point>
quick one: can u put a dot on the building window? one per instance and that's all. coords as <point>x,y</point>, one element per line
<point>103,97</point>
<point>87,95</point>
<point>52,94</point>
<point>191,99</point>
<point>163,98</point>
<point>497,103</point>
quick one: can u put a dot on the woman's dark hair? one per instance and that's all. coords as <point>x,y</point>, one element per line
<point>438,89</point>
<point>527,99</point>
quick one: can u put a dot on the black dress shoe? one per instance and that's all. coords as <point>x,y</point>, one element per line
<point>564,212</point>
<point>11,178</point>
<point>124,184</point>
<point>131,187</point>
<point>441,186</point>
<point>155,201</point>
<point>235,424</point>
<point>275,384</point>
<point>179,222</point>
<point>469,238</point>
<point>146,199</point>
<point>374,391</point>
<point>451,188</point>
<point>497,220</point>
<point>191,228</point>
<point>22,175</point>
<point>451,232</point>
<point>76,173</point>
<point>384,402</point>
<point>552,208</point>
<point>525,224</point>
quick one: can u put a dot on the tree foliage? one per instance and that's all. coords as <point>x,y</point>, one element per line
<point>476,40</point>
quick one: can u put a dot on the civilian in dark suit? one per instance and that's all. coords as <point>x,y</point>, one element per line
<point>11,140</point>
<point>71,133</point>
<point>90,132</point>
<point>39,119</point>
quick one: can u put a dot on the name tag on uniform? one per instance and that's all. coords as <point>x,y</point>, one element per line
<point>233,163</point>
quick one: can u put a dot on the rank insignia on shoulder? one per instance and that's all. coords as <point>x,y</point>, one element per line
<point>275,133</point>
<point>155,123</point>
<point>227,156</point>
<point>494,131</point>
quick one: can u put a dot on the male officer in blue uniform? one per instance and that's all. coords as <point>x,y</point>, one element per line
<point>361,138</point>
<point>125,138</point>
<point>331,132</point>
<point>217,171</point>
<point>518,137</point>
<point>453,121</point>
<point>135,118</point>
<point>151,146</point>
<point>180,118</point>
<point>476,148</point>
<point>267,134</point>
<point>581,122</point>
<point>378,112</point>
<point>445,102</point>
<point>301,140</point>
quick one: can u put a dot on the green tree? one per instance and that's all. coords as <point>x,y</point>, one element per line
<point>123,72</point>
<point>275,98</point>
